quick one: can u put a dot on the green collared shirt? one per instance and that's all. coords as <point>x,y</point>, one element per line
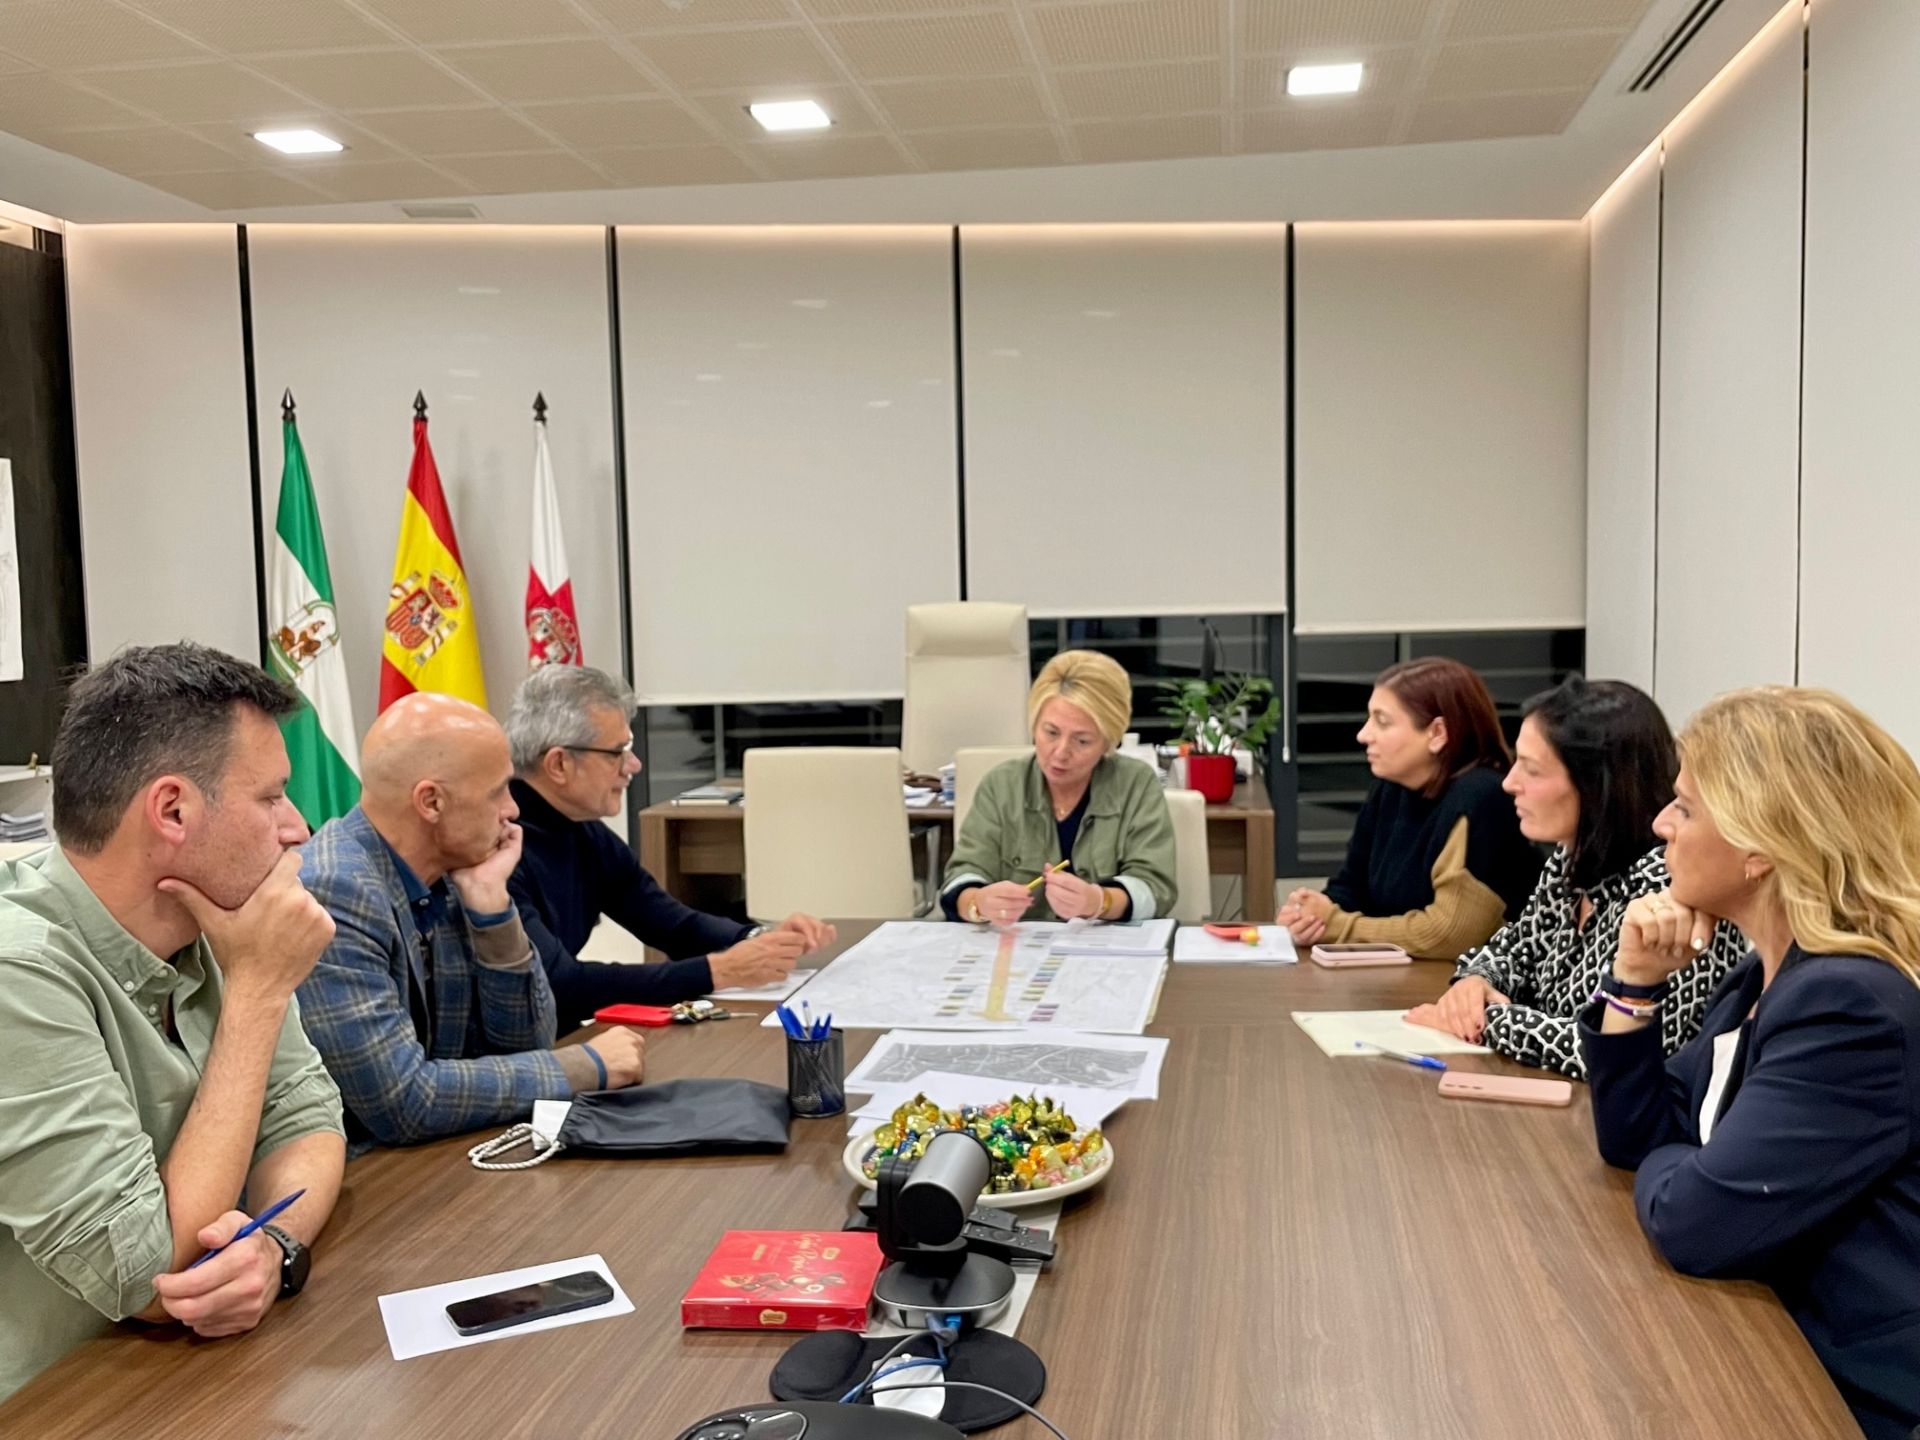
<point>93,1089</point>
<point>1125,838</point>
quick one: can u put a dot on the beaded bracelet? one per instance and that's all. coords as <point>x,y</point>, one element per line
<point>1631,1011</point>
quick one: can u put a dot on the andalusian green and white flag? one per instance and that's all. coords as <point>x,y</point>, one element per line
<point>303,646</point>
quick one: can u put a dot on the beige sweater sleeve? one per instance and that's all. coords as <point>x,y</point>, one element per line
<point>1463,914</point>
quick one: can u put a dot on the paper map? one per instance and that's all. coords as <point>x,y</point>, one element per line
<point>956,977</point>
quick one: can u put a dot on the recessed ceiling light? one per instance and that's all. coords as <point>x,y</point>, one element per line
<point>790,114</point>
<point>298,142</point>
<point>1324,79</point>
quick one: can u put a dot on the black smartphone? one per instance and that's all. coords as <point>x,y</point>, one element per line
<point>530,1302</point>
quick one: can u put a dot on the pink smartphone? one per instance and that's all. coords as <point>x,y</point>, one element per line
<point>1356,956</point>
<point>1515,1089</point>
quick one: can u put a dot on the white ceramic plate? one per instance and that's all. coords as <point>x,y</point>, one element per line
<point>858,1146</point>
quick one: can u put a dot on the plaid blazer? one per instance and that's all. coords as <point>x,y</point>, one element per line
<point>418,1050</point>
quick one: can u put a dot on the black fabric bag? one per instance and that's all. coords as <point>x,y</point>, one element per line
<point>675,1117</point>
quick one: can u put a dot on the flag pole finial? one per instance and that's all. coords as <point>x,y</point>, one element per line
<point>540,406</point>
<point>419,404</point>
<point>286,407</point>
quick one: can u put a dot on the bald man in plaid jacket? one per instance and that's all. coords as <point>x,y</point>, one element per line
<point>430,1008</point>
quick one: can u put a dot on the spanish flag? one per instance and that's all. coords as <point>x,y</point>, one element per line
<point>430,641</point>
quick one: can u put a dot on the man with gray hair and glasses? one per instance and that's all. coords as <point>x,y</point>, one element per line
<point>572,739</point>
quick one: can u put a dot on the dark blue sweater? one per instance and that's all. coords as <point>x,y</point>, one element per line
<point>1811,1181</point>
<point>574,871</point>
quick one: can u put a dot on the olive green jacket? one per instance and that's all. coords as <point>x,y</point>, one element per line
<point>1125,839</point>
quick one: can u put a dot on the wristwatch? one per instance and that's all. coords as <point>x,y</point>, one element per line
<point>755,933</point>
<point>1612,985</point>
<point>296,1260</point>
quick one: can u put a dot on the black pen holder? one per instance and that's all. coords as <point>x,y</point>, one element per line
<point>816,1076</point>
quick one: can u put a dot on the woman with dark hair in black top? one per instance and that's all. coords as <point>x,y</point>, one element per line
<point>1595,765</point>
<point>1436,861</point>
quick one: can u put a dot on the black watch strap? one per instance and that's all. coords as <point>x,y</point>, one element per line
<point>296,1261</point>
<point>1611,985</point>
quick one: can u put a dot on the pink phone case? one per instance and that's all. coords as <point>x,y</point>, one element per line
<point>1337,958</point>
<point>1515,1089</point>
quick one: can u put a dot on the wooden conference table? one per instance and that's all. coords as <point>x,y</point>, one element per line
<point>681,840</point>
<point>1291,1247</point>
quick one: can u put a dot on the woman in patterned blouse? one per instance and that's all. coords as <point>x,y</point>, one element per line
<point>1595,766</point>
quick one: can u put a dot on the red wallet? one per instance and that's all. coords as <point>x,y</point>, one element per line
<point>634,1015</point>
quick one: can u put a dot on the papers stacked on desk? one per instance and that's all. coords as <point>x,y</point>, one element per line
<point>1050,1061</point>
<point>711,795</point>
<point>15,829</point>
<point>918,797</point>
<point>1146,941</point>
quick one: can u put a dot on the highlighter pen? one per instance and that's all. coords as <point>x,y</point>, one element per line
<point>1425,1062</point>
<point>264,1217</point>
<point>1041,878</point>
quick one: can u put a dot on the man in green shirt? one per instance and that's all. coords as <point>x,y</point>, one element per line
<point>155,1083</point>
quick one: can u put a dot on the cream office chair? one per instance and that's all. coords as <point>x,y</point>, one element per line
<point>970,767</point>
<point>967,680</point>
<point>826,832</point>
<point>1192,866</point>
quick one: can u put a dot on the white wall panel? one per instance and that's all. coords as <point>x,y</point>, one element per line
<point>355,319</point>
<point>1730,381</point>
<point>160,425</point>
<point>1623,367</point>
<point>1440,406</point>
<point>1126,417</point>
<point>1860,521</point>
<point>791,455</point>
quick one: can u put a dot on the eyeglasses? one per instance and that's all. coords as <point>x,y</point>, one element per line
<point>619,754</point>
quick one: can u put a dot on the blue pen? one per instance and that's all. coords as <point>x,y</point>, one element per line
<point>790,1023</point>
<point>252,1225</point>
<point>1425,1062</point>
<point>806,1017</point>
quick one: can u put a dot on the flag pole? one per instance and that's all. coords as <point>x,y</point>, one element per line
<point>539,407</point>
<point>286,408</point>
<point>419,404</point>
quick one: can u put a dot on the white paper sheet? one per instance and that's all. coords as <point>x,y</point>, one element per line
<point>1148,940</point>
<point>1088,1107</point>
<point>955,977</point>
<point>773,993</point>
<point>1025,1059</point>
<point>417,1322</point>
<point>1353,1032</point>
<point>1194,946</point>
<point>11,666</point>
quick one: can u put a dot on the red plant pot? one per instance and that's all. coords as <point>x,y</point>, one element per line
<point>1212,776</point>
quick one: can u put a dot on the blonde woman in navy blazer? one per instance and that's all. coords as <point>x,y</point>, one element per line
<point>1783,1143</point>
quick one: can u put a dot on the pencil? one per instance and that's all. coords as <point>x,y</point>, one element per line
<point>1041,878</point>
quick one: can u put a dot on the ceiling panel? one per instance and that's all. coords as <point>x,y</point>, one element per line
<point>441,98</point>
<point>609,124</point>
<point>370,79</point>
<point>990,100</point>
<point>549,70</point>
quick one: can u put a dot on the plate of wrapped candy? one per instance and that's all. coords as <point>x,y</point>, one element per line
<point>1039,1154</point>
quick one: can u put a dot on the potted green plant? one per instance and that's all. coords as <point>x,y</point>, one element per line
<point>1215,717</point>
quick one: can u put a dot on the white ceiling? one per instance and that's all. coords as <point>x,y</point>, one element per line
<point>625,110</point>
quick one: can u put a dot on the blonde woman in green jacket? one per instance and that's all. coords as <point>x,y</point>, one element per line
<point>1074,800</point>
